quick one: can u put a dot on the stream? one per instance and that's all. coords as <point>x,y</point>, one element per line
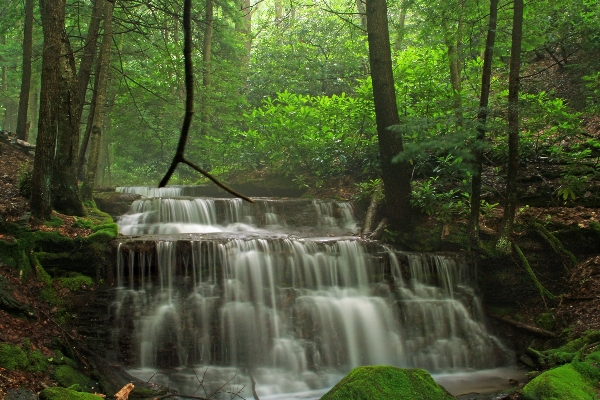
<point>214,290</point>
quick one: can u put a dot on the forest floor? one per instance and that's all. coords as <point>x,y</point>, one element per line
<point>578,306</point>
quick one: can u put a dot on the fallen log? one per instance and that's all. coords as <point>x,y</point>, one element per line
<point>524,327</point>
<point>377,233</point>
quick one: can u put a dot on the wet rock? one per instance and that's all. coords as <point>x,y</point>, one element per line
<point>115,203</point>
<point>20,394</point>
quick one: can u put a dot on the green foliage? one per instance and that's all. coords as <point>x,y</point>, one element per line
<point>545,321</point>
<point>384,382</point>
<point>367,189</point>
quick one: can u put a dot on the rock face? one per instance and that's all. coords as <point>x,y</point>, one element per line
<point>114,203</point>
<point>385,382</point>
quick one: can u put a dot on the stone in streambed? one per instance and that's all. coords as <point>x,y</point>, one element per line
<point>386,382</point>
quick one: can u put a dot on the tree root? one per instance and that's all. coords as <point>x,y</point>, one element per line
<point>557,246</point>
<point>543,291</point>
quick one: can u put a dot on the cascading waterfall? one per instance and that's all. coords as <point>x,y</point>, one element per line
<point>304,310</point>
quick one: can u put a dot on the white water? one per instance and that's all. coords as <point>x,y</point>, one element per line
<point>299,313</point>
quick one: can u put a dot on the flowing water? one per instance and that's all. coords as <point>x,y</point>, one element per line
<point>216,289</point>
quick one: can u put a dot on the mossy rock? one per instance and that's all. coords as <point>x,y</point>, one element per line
<point>12,357</point>
<point>560,383</point>
<point>67,376</point>
<point>57,393</point>
<point>385,382</point>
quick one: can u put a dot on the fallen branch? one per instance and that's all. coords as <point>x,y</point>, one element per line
<point>557,246</point>
<point>543,291</point>
<point>524,327</point>
<point>123,394</point>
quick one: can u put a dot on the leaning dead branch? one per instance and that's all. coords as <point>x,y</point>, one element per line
<point>189,110</point>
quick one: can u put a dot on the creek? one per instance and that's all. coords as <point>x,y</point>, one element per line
<point>216,289</point>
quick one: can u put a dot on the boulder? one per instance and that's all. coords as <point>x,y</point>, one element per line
<point>564,382</point>
<point>385,382</point>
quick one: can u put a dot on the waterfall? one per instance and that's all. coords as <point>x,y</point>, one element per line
<point>304,308</point>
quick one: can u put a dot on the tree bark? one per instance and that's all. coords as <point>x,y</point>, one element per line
<point>22,128</point>
<point>206,75</point>
<point>513,130</point>
<point>396,177</point>
<point>53,25</point>
<point>89,53</point>
<point>81,164</point>
<point>65,191</point>
<point>486,79</point>
<point>96,132</point>
<point>362,13</point>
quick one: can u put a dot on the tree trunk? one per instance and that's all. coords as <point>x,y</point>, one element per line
<point>486,78</point>
<point>34,102</point>
<point>402,23</point>
<point>22,129</point>
<point>396,177</point>
<point>89,53</point>
<point>65,192</point>
<point>513,129</point>
<point>453,41</point>
<point>81,164</point>
<point>96,132</point>
<point>278,11</point>
<point>206,75</point>
<point>362,14</point>
<point>53,25</point>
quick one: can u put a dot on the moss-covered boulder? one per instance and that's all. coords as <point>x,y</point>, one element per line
<point>564,382</point>
<point>12,357</point>
<point>66,376</point>
<point>385,382</point>
<point>57,393</point>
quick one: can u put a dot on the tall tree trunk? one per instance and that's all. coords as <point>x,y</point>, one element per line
<point>513,129</point>
<point>362,14</point>
<point>453,41</point>
<point>402,24</point>
<point>396,178</point>
<point>22,127</point>
<point>81,164</point>
<point>278,11</point>
<point>53,25</point>
<point>99,111</point>
<point>89,53</point>
<point>206,75</point>
<point>34,102</point>
<point>486,79</point>
<point>247,10</point>
<point>65,192</point>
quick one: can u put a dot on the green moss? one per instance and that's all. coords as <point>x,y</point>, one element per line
<point>60,359</point>
<point>545,321</point>
<point>54,222</point>
<point>560,383</point>
<point>384,382</point>
<point>12,357</point>
<point>75,281</point>
<point>67,376</point>
<point>57,393</point>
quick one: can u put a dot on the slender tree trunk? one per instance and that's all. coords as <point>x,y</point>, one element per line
<point>89,53</point>
<point>53,25</point>
<point>453,41</point>
<point>402,23</point>
<point>247,9</point>
<point>65,192</point>
<point>513,129</point>
<point>486,79</point>
<point>34,101</point>
<point>362,14</point>
<point>22,128</point>
<point>99,111</point>
<point>396,178</point>
<point>81,164</point>
<point>278,11</point>
<point>206,75</point>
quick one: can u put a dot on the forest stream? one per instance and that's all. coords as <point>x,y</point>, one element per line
<point>282,291</point>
